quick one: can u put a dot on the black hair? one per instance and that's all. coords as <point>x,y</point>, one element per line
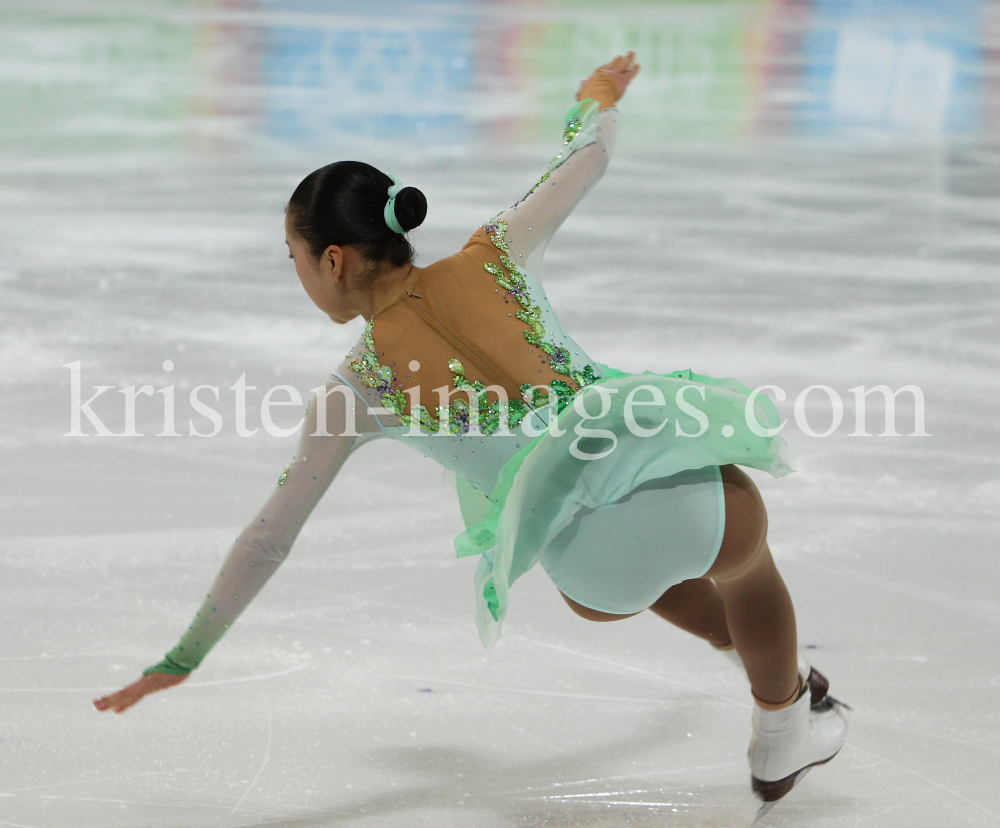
<point>343,204</point>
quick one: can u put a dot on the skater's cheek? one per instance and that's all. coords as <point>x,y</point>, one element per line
<point>315,287</point>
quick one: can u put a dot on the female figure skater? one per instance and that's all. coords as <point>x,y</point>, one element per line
<point>623,486</point>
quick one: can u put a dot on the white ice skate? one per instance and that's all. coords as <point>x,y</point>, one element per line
<point>786,744</point>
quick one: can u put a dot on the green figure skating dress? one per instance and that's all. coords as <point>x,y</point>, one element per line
<point>610,480</point>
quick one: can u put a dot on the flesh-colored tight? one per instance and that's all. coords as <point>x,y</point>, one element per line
<point>741,600</point>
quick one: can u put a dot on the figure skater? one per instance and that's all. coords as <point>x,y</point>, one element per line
<point>626,487</point>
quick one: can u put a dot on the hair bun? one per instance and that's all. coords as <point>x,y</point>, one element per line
<point>411,208</point>
<point>344,203</point>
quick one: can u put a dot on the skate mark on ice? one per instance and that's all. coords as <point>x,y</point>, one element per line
<point>879,814</point>
<point>643,803</point>
<point>981,610</point>
<point>926,779</point>
<point>605,795</point>
<point>159,804</point>
<point>925,734</point>
<point>556,748</point>
<point>111,776</point>
<point>683,773</point>
<point>261,677</point>
<point>53,690</point>
<point>132,778</point>
<point>522,691</point>
<point>632,669</point>
<point>44,656</point>
<point>267,755</point>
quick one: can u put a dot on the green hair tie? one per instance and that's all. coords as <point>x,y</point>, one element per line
<point>389,213</point>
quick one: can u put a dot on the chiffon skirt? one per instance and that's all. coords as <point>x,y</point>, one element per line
<point>616,506</point>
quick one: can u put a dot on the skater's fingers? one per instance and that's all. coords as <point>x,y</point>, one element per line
<point>126,702</point>
<point>610,65</point>
<point>116,701</point>
<point>622,62</point>
<point>131,695</point>
<point>618,62</point>
<point>119,701</point>
<point>629,76</point>
<point>112,699</point>
<point>624,76</point>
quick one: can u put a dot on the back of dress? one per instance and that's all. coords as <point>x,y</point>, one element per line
<point>474,351</point>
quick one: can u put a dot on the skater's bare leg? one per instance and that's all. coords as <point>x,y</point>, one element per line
<point>758,615</point>
<point>759,610</point>
<point>696,606</point>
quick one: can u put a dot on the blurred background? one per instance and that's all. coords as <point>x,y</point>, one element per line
<point>212,78</point>
<point>147,151</point>
<point>804,192</point>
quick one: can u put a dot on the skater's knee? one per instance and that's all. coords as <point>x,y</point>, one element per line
<point>744,540</point>
<point>592,614</point>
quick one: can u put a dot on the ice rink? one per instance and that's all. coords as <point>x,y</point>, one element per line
<point>806,192</point>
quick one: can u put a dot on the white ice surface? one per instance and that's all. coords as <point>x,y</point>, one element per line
<point>141,207</point>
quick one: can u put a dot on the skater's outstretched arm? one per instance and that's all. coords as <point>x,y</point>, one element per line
<point>267,539</point>
<point>533,221</point>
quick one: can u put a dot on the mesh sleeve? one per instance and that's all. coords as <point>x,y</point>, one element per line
<point>326,441</point>
<point>533,221</point>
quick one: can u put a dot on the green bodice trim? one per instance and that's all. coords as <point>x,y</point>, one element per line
<point>512,280</point>
<point>579,126</point>
<point>460,416</point>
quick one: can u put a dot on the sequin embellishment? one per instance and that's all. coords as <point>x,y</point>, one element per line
<point>379,377</point>
<point>461,416</point>
<point>572,129</point>
<point>457,418</point>
<point>512,280</point>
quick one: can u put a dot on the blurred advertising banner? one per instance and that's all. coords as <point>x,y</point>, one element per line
<point>211,75</point>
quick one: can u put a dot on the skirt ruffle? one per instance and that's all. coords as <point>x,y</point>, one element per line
<point>592,459</point>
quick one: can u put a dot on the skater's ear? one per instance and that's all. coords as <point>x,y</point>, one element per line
<point>346,267</point>
<point>331,263</point>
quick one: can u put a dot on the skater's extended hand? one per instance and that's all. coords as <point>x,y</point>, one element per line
<point>126,697</point>
<point>620,71</point>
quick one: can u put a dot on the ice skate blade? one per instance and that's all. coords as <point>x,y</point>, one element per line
<point>795,777</point>
<point>771,792</point>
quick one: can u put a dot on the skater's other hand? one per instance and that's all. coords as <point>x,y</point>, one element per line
<point>126,697</point>
<point>619,71</point>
